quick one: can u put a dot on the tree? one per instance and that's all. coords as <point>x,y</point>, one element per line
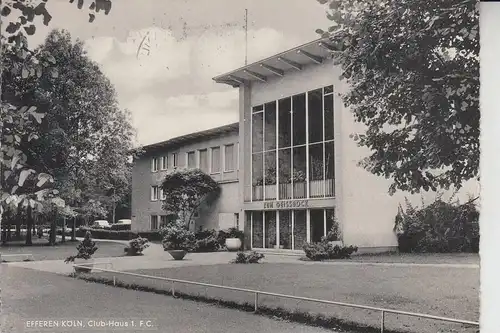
<point>413,74</point>
<point>85,139</point>
<point>15,119</point>
<point>185,190</point>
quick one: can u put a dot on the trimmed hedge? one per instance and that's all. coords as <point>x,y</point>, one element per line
<point>119,234</point>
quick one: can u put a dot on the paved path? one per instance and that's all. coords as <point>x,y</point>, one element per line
<point>31,295</point>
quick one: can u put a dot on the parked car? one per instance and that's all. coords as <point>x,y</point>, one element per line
<point>101,224</point>
<point>124,224</point>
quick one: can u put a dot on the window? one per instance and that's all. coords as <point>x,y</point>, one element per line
<point>154,222</point>
<point>203,160</point>
<point>229,157</point>
<point>173,160</point>
<point>215,167</point>
<point>154,164</point>
<point>292,148</point>
<point>154,193</point>
<point>163,220</point>
<point>237,220</point>
<point>164,163</point>
<point>162,194</point>
<point>191,160</point>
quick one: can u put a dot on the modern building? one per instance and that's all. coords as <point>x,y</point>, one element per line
<point>299,169</point>
<point>296,172</point>
<point>214,151</point>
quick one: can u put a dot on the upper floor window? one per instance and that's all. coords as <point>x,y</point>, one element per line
<point>154,193</point>
<point>191,160</point>
<point>229,157</point>
<point>164,163</point>
<point>203,160</point>
<point>162,194</point>
<point>215,167</point>
<point>154,164</point>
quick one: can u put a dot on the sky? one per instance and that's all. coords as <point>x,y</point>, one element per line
<point>169,89</point>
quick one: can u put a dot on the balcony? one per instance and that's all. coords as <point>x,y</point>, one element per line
<point>317,189</point>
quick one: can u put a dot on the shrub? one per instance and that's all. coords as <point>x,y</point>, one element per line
<point>438,227</point>
<point>177,237</point>
<point>248,258</point>
<point>137,245</point>
<point>324,251</point>
<point>206,241</point>
<point>86,249</point>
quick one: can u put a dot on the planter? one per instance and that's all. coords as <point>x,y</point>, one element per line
<point>86,269</point>
<point>177,254</point>
<point>233,244</point>
<point>333,243</point>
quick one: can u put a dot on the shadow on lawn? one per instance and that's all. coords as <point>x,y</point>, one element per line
<point>316,320</point>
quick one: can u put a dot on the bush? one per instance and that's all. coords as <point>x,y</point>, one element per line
<point>248,258</point>
<point>137,245</point>
<point>86,249</point>
<point>119,227</point>
<point>438,228</point>
<point>206,241</point>
<point>325,250</point>
<point>178,237</point>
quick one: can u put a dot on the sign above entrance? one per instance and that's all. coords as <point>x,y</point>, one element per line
<point>289,204</point>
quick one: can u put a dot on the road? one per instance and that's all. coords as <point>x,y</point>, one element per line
<point>30,297</point>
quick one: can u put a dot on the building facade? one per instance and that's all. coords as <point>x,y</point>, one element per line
<point>214,151</point>
<point>300,173</point>
<point>297,172</point>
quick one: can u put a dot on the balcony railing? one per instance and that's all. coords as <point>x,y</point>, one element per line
<point>317,189</point>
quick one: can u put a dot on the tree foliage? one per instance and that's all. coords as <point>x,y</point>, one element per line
<point>19,120</point>
<point>185,190</point>
<point>412,68</point>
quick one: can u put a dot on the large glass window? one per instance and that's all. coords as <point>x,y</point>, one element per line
<point>257,176</point>
<point>270,229</point>
<point>270,126</point>
<point>285,122</point>
<point>285,173</point>
<point>299,176</point>
<point>300,130</point>
<point>285,229</point>
<point>299,119</point>
<point>270,174</point>
<point>315,115</point>
<point>329,169</point>
<point>317,224</point>
<point>329,122</point>
<point>299,229</point>
<point>316,170</point>
<point>257,230</point>
<point>257,132</point>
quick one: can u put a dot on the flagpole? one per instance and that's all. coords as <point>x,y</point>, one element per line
<point>246,36</point>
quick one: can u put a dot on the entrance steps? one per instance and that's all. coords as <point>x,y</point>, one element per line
<point>281,252</point>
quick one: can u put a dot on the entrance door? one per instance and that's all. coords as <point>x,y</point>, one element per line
<point>285,229</point>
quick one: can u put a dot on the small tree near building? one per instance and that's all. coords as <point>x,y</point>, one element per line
<point>186,190</point>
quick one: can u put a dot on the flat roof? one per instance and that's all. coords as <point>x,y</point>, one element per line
<point>212,132</point>
<point>297,58</point>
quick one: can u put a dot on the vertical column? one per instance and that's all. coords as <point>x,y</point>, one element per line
<point>308,180</point>
<point>244,156</point>
<point>278,228</point>
<point>308,226</point>
<point>293,230</point>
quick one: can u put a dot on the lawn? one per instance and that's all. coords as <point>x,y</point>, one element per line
<point>42,251</point>
<point>420,258</point>
<point>443,291</point>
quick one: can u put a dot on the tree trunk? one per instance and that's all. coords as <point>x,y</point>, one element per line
<point>114,213</point>
<point>18,223</point>
<point>63,238</point>
<point>29,225</point>
<point>73,232</point>
<point>53,231</point>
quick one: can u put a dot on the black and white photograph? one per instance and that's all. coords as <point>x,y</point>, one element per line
<point>245,166</point>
